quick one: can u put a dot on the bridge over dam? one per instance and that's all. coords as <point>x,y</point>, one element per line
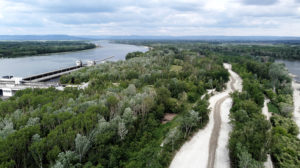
<point>57,73</point>
<point>52,74</point>
<point>10,85</point>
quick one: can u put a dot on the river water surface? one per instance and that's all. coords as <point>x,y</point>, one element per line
<point>26,66</point>
<point>293,66</point>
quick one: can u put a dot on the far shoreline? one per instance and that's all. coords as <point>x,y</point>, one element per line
<point>47,54</point>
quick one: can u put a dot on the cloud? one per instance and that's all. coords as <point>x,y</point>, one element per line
<point>149,17</point>
<point>72,6</point>
<point>259,2</point>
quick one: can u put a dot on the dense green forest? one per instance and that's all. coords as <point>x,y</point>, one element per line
<point>253,136</point>
<point>263,50</point>
<point>118,120</point>
<point>28,48</point>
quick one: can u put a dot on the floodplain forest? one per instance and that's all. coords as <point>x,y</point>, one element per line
<point>138,112</point>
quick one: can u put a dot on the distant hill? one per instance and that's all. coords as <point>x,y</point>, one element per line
<point>39,37</point>
<point>134,37</point>
<point>200,38</point>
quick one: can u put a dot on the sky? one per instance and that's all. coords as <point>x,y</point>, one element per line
<point>151,17</point>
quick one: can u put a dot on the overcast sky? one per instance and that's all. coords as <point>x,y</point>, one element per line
<point>150,17</point>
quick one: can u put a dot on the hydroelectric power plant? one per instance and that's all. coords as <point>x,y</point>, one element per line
<point>9,85</point>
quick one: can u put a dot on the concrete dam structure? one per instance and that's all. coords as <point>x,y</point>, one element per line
<point>9,85</point>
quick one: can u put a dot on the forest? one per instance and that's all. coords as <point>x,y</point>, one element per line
<point>253,136</point>
<point>120,119</point>
<point>264,50</point>
<point>13,49</point>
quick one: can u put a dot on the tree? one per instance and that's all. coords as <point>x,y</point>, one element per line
<point>188,121</point>
<point>32,121</point>
<point>278,73</point>
<point>172,136</point>
<point>66,159</point>
<point>6,128</point>
<point>17,145</point>
<point>82,144</point>
<point>128,116</point>
<point>134,54</point>
<point>245,158</point>
<point>131,90</point>
<point>37,150</point>
<point>286,109</point>
<point>112,102</point>
<point>101,128</point>
<point>122,130</point>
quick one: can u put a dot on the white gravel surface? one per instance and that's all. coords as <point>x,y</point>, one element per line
<point>194,153</point>
<point>296,97</point>
<point>268,163</point>
<point>265,110</point>
<point>222,159</point>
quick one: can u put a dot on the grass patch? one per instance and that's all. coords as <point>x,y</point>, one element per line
<point>272,108</point>
<point>176,68</point>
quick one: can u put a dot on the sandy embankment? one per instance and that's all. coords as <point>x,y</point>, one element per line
<point>296,97</point>
<point>222,159</point>
<point>222,153</point>
<point>268,163</point>
<point>201,148</point>
<point>265,111</point>
<point>194,153</point>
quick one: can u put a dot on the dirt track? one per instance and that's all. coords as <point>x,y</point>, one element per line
<point>207,148</point>
<point>213,142</point>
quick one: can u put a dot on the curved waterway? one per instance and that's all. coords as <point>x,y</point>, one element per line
<point>26,66</point>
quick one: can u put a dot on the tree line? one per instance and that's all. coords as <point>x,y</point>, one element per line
<point>29,48</point>
<point>263,50</point>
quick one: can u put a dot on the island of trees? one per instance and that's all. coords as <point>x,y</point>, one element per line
<point>119,120</point>
<point>29,48</point>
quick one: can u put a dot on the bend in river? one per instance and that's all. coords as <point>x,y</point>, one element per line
<point>26,66</point>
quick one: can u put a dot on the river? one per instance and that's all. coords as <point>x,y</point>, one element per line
<point>293,66</point>
<point>31,65</point>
